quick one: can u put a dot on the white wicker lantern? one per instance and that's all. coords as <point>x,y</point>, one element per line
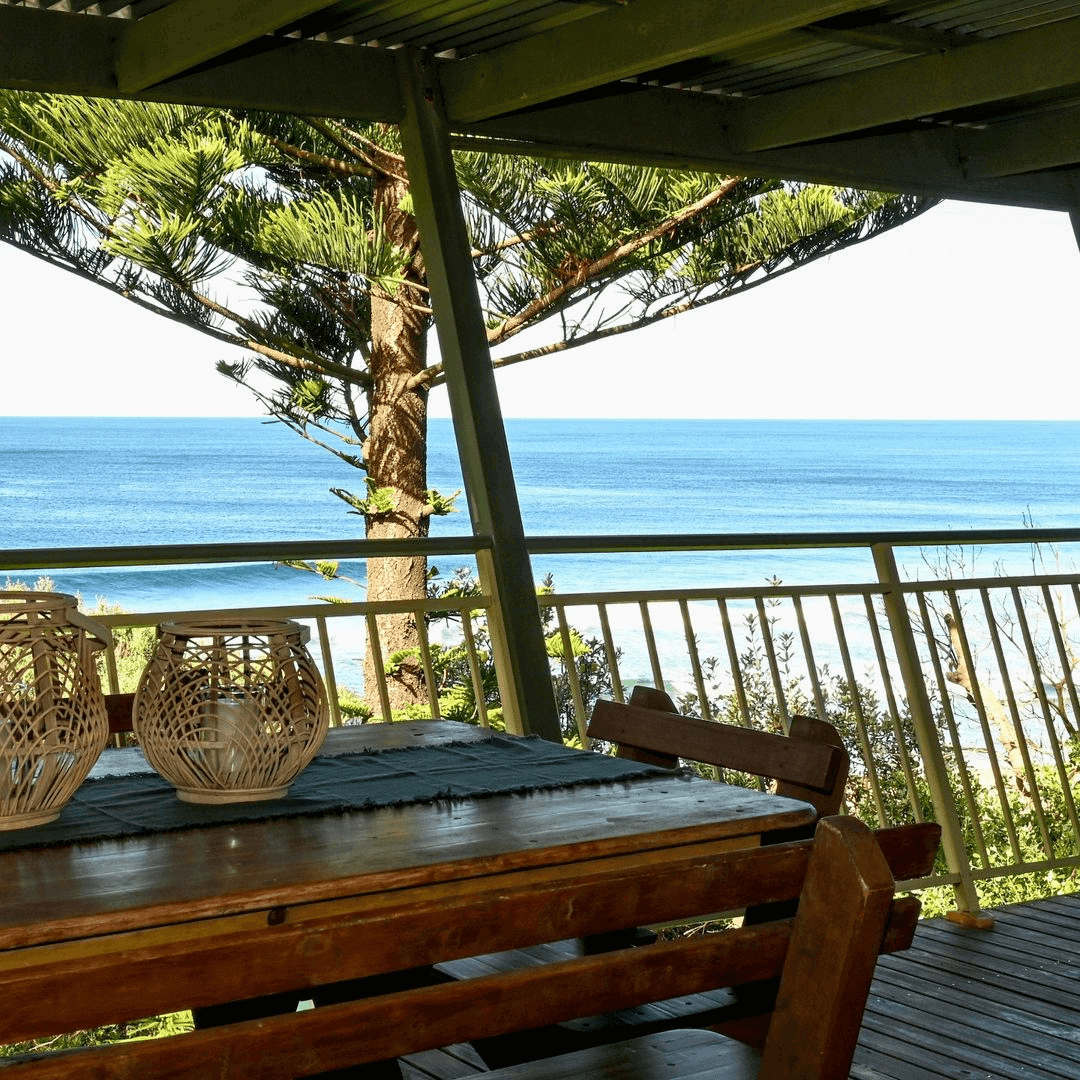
<point>53,723</point>
<point>231,712</point>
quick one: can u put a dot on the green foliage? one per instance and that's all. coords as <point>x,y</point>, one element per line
<point>886,785</point>
<point>353,708</point>
<point>379,502</point>
<point>133,646</point>
<point>452,666</point>
<point>440,505</point>
<point>154,1027</point>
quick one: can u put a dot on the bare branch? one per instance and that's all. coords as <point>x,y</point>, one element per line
<point>372,159</point>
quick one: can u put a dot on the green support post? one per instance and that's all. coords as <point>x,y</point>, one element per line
<point>937,773</point>
<point>505,571</point>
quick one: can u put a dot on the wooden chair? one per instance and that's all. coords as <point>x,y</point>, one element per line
<point>824,958</point>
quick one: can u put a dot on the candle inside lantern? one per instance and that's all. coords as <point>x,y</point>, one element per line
<point>228,734</point>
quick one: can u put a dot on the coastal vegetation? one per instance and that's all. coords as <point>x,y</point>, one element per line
<point>294,239</point>
<point>1021,816</point>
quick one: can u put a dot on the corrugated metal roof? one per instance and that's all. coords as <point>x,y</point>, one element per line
<point>880,69</point>
<point>462,28</point>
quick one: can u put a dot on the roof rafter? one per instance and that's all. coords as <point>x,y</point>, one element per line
<point>1012,65</point>
<point>67,54</point>
<point>677,129</point>
<point>613,45</point>
<point>187,33</point>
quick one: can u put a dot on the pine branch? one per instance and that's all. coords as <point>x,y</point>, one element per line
<point>309,157</point>
<point>50,185</point>
<point>517,241</point>
<point>372,160</point>
<point>313,364</point>
<point>275,409</point>
<point>434,375</point>
<point>592,270</point>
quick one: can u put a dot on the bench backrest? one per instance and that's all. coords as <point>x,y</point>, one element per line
<point>810,763</point>
<point>824,958</point>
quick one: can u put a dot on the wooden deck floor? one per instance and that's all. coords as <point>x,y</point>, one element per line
<point>980,1004</point>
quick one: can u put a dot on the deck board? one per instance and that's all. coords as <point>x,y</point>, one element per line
<point>964,1004</point>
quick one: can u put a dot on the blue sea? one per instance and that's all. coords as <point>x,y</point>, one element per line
<point>68,482</point>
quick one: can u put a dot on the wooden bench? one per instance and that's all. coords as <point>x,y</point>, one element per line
<point>809,763</point>
<point>119,708</point>
<point>824,958</point>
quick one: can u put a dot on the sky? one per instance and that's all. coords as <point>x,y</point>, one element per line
<point>968,312</point>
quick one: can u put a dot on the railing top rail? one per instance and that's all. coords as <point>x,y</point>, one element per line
<point>727,592</point>
<point>755,541</point>
<point>312,610</point>
<point>22,559</point>
<point>262,551</point>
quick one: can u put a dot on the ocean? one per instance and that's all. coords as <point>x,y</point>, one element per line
<point>72,482</point>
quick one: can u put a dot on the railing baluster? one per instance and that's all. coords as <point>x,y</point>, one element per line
<point>474,667</point>
<point>695,660</point>
<point>975,693</point>
<point>894,711</point>
<point>860,718</point>
<point>808,653</point>
<point>733,664</point>
<point>774,667</point>
<point>1066,675</point>
<point>425,660</point>
<point>1068,661</point>
<point>110,669</point>
<point>328,671</point>
<point>1014,711</point>
<point>954,731</point>
<point>570,665</point>
<point>650,644</point>
<point>1048,722</point>
<point>377,663</point>
<point>611,654</point>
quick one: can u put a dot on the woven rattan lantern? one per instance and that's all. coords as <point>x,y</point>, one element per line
<point>53,723</point>
<point>231,712</point>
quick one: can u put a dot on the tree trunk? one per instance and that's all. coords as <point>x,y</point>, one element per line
<point>396,455</point>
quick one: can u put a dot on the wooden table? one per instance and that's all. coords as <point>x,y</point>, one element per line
<point>123,929</point>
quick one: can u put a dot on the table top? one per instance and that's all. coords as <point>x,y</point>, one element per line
<point>60,893</point>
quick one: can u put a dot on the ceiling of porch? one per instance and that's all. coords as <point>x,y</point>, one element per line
<point>975,99</point>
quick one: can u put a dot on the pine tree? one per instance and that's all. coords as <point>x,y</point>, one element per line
<point>293,238</point>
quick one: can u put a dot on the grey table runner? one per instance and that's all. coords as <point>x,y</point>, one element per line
<point>135,805</point>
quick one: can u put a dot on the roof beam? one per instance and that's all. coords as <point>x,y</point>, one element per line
<point>889,37</point>
<point>1027,62</point>
<point>58,52</point>
<point>73,54</point>
<point>635,38</point>
<point>681,130</point>
<point>186,33</point>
